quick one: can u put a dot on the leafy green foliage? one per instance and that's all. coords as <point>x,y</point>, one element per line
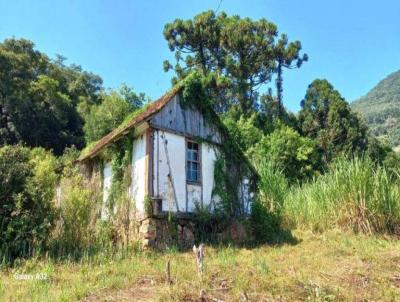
<point>380,108</point>
<point>79,206</point>
<point>223,187</point>
<point>291,153</point>
<point>229,169</point>
<point>273,186</point>
<point>27,188</point>
<point>111,112</point>
<point>244,131</point>
<point>121,157</point>
<point>196,93</point>
<point>392,164</point>
<point>39,98</point>
<point>326,117</point>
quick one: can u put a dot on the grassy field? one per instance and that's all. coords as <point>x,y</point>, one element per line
<point>332,266</point>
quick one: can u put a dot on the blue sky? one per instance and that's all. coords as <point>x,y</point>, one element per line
<point>351,43</point>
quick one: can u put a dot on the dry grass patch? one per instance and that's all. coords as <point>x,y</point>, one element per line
<point>332,266</point>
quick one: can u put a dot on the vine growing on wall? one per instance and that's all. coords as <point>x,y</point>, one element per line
<point>119,203</point>
<point>229,168</point>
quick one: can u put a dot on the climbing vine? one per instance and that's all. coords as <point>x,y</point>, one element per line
<point>118,203</point>
<point>229,170</point>
<point>148,206</point>
<point>121,157</point>
<point>231,166</point>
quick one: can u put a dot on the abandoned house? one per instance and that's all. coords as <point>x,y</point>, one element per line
<point>174,151</point>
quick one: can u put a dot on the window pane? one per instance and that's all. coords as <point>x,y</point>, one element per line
<point>192,172</point>
<point>192,155</point>
<point>191,175</point>
<point>195,155</point>
<point>192,164</point>
<point>192,146</point>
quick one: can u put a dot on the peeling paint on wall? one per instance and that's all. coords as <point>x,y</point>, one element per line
<point>194,196</point>
<point>187,194</point>
<point>245,196</point>
<point>107,180</point>
<point>175,146</point>
<point>138,185</point>
<point>209,156</point>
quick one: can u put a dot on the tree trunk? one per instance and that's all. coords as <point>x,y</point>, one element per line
<point>279,89</point>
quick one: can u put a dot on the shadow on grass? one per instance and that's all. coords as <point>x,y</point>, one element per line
<point>278,238</point>
<point>249,233</point>
<point>59,253</point>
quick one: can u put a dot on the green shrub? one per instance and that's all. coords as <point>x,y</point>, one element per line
<point>266,225</point>
<point>292,153</point>
<point>208,224</point>
<point>79,208</point>
<point>266,214</point>
<point>26,191</point>
<point>355,194</point>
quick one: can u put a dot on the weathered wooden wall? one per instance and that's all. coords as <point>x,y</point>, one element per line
<point>184,121</point>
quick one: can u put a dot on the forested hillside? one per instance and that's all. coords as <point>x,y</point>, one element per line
<point>45,103</point>
<point>381,109</point>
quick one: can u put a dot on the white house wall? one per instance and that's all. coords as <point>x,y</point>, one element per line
<point>138,186</point>
<point>187,195</point>
<point>168,146</point>
<point>246,196</point>
<point>193,196</point>
<point>107,179</point>
<point>208,158</point>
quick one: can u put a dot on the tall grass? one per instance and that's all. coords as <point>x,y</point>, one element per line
<point>355,194</point>
<point>266,214</point>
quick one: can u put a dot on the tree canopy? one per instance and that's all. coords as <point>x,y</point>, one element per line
<point>114,107</point>
<point>326,117</point>
<point>240,53</point>
<point>39,97</point>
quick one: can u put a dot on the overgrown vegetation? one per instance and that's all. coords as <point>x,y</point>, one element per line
<point>111,112</point>
<point>26,210</point>
<point>231,166</point>
<point>319,170</point>
<point>355,195</point>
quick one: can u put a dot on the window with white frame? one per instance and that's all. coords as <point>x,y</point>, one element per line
<point>192,162</point>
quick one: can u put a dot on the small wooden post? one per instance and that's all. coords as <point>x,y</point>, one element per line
<point>168,272</point>
<point>199,253</point>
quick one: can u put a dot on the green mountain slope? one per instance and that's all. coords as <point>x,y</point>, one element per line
<point>381,108</point>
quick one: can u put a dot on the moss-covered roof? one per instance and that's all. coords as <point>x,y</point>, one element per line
<point>131,121</point>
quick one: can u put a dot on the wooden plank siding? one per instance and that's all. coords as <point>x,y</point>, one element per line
<point>185,121</point>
